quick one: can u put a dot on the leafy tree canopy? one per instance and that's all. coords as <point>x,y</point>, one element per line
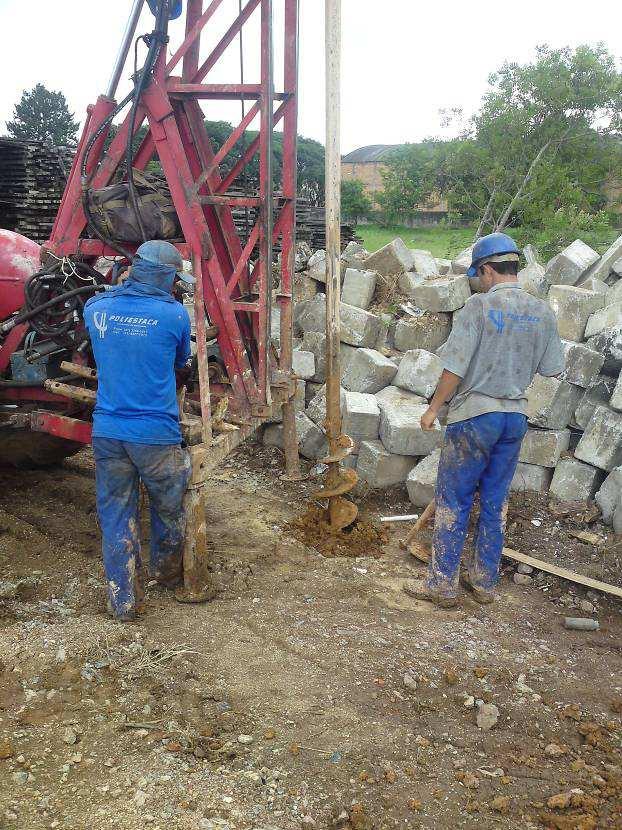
<point>42,115</point>
<point>545,140</point>
<point>355,203</point>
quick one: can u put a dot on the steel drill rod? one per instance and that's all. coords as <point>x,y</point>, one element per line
<point>333,237</point>
<point>128,37</point>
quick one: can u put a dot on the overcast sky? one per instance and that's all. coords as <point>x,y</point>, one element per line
<point>403,60</point>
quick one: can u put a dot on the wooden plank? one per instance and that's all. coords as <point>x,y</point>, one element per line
<point>75,393</point>
<point>564,573</point>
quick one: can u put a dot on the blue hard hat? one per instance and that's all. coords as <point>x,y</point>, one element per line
<point>495,244</point>
<point>161,252</point>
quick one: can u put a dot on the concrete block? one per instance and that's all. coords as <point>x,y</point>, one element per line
<point>609,344</point>
<point>316,266</point>
<point>598,287</point>
<point>421,480</point>
<point>393,396</point>
<point>315,342</point>
<point>354,251</point>
<point>444,266</point>
<point>582,364</point>
<point>575,481</point>
<point>303,364</point>
<point>597,394</point>
<point>346,356</point>
<point>424,263</point>
<point>444,294</point>
<point>311,440</point>
<point>302,255</point>
<point>300,398</point>
<point>544,447</point>
<point>609,317</point>
<point>614,293</point>
<point>419,372</point>
<point>569,266</point>
<point>429,331</point>
<point>601,443</point>
<point>408,282</point>
<point>532,257</point>
<point>386,324</point>
<point>616,268</point>
<point>305,288</point>
<point>394,258</point>
<point>401,433</point>
<point>368,371</point>
<point>462,262</point>
<point>311,391</point>
<point>360,417</point>
<point>310,315</point>
<point>609,495</point>
<point>316,410</point>
<point>602,267</point>
<point>359,327</point>
<point>358,287</point>
<point>573,307</point>
<point>529,478</point>
<point>532,279</point>
<point>551,402</point>
<point>379,468</point>
<point>615,401</point>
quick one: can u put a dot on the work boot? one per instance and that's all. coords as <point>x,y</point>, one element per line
<point>479,594</point>
<point>419,590</point>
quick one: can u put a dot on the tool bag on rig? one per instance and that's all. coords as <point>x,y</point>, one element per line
<point>112,210</point>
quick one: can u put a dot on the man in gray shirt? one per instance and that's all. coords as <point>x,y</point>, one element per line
<point>499,341</point>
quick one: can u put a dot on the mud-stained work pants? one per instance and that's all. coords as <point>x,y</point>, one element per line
<point>165,472</point>
<point>479,453</point>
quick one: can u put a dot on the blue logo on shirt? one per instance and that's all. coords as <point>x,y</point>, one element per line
<point>522,322</point>
<point>496,315</point>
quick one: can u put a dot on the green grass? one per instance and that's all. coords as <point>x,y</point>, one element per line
<point>444,242</point>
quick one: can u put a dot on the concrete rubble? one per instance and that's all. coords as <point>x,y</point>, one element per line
<point>390,368</point>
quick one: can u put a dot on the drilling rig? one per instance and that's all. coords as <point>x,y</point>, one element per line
<point>47,373</point>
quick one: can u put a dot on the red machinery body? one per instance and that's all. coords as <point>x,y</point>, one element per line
<point>235,281</point>
<point>19,259</point>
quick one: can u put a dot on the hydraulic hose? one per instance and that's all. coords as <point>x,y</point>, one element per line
<point>155,41</point>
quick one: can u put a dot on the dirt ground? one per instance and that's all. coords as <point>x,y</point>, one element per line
<point>313,692</point>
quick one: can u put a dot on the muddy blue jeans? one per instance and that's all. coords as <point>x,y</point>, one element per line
<point>479,453</point>
<point>165,472</point>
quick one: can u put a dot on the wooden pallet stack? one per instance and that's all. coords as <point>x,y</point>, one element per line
<point>32,180</point>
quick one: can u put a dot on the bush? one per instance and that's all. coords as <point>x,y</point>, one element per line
<point>561,227</point>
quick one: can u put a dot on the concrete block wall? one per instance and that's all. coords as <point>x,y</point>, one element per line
<point>390,369</point>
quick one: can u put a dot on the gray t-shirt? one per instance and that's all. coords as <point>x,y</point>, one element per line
<point>498,342</point>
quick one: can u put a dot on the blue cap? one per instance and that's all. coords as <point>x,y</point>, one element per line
<point>494,245</point>
<point>164,253</point>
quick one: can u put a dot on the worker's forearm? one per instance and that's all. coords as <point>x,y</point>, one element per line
<point>447,385</point>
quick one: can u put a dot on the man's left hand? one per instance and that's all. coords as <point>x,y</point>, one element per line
<point>428,418</point>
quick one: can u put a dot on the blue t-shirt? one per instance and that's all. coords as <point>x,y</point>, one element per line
<point>139,335</point>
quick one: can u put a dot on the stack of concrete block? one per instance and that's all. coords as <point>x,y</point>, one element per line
<point>389,370</point>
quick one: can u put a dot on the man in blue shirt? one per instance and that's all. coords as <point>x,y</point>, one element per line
<point>140,335</point>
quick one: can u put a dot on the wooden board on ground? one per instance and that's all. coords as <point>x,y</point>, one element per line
<point>564,573</point>
<point>226,442</point>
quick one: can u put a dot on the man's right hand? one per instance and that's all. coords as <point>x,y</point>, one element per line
<point>428,418</point>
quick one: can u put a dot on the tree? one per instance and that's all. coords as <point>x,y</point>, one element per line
<point>42,115</point>
<point>543,129</point>
<point>408,179</point>
<point>355,203</point>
